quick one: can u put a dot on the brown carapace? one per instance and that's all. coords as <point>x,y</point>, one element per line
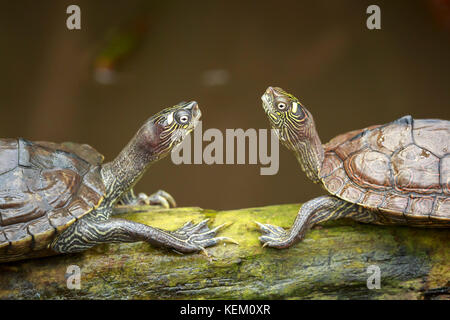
<point>401,168</point>
<point>59,198</point>
<point>44,188</point>
<point>397,173</point>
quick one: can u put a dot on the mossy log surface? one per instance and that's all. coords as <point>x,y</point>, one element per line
<point>331,263</point>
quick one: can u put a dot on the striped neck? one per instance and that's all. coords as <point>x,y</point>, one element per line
<point>310,155</point>
<point>121,174</point>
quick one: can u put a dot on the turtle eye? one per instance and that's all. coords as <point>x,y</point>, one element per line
<point>184,119</point>
<point>281,106</point>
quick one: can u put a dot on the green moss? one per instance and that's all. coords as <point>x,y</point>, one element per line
<point>330,263</point>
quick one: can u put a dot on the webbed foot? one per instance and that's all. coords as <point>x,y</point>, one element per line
<point>274,236</point>
<point>197,237</point>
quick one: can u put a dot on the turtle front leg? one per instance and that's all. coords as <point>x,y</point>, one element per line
<point>159,198</point>
<point>315,211</point>
<point>88,232</point>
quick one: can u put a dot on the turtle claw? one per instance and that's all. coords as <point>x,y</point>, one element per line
<point>218,227</point>
<point>190,228</point>
<point>214,241</point>
<point>160,198</point>
<point>230,240</point>
<point>206,254</point>
<point>273,236</point>
<point>198,236</point>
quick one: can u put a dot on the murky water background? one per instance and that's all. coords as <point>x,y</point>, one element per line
<point>224,55</point>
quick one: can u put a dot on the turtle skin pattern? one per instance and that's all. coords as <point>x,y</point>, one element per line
<point>44,188</point>
<point>401,169</point>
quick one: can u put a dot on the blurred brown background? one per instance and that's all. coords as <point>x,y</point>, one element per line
<point>224,55</point>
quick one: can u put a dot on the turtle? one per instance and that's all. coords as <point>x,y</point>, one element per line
<point>59,197</point>
<point>392,174</point>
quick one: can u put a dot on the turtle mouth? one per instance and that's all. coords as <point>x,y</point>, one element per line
<point>274,119</point>
<point>276,122</point>
<point>267,99</point>
<point>196,114</point>
<point>179,134</point>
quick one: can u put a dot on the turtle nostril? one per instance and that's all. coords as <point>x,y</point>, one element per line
<point>193,108</point>
<point>191,105</point>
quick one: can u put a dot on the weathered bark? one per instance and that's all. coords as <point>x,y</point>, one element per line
<point>331,263</point>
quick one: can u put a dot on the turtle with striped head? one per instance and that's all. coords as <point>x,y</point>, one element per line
<point>59,198</point>
<point>392,174</point>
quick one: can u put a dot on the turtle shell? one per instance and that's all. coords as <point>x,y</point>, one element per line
<point>402,169</point>
<point>44,187</point>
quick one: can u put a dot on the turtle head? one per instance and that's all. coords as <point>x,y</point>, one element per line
<point>154,140</point>
<point>287,115</point>
<point>166,129</point>
<point>295,127</point>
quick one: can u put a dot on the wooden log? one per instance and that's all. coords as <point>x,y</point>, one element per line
<point>331,263</point>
